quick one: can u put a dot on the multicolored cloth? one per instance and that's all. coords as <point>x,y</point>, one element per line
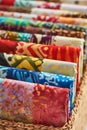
<point>29,102</point>
<point>66,20</point>
<point>38,64</point>
<point>53,12</point>
<point>22,25</point>
<point>15,9</point>
<point>63,53</point>
<point>41,4</point>
<point>55,32</point>
<point>47,38</point>
<point>50,51</point>
<point>41,39</point>
<point>41,78</point>
<point>15,36</point>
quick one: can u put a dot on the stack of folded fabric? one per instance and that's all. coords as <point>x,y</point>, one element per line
<point>43,53</point>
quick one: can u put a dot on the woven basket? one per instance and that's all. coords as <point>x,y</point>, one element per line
<point>77,120</point>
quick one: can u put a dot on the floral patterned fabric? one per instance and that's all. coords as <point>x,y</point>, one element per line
<point>41,78</point>
<point>48,5</point>
<point>75,21</point>
<point>22,25</point>
<point>38,64</point>
<point>15,9</point>
<point>55,32</point>
<point>22,101</point>
<point>48,37</point>
<point>62,52</point>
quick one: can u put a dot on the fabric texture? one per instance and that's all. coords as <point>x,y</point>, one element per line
<point>38,64</point>
<point>66,20</point>
<point>53,12</point>
<point>15,9</point>
<point>63,53</point>
<point>28,102</point>
<point>22,25</point>
<point>41,78</point>
<point>47,5</point>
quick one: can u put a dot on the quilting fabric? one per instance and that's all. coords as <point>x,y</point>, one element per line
<point>15,36</point>
<point>55,32</point>
<point>53,12</point>
<point>22,25</point>
<point>15,9</point>
<point>48,34</point>
<point>63,53</point>
<point>22,101</point>
<point>38,64</point>
<point>75,21</point>
<point>48,5</point>
<point>41,78</point>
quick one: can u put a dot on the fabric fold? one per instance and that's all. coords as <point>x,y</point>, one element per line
<point>30,103</point>
<point>41,78</point>
<point>55,19</point>
<point>22,25</point>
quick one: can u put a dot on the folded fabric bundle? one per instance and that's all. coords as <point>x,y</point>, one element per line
<point>41,78</point>
<point>74,7</point>
<point>22,25</point>
<point>15,8</point>
<point>49,34</point>
<point>63,53</point>
<point>55,32</point>
<point>66,20</point>
<point>33,103</point>
<point>15,36</point>
<point>41,4</point>
<point>53,12</point>
<point>38,64</point>
<point>13,2</point>
<point>29,3</point>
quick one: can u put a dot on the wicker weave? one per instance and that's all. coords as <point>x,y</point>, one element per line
<point>77,120</point>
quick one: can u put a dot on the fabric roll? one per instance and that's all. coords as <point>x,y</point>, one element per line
<point>15,9</point>
<point>38,64</point>
<point>41,78</point>
<point>22,25</point>
<point>73,7</point>
<point>66,20</point>
<point>55,32</point>
<point>15,36</point>
<point>48,34</point>
<point>53,12</point>
<point>42,51</point>
<point>63,52</point>
<point>42,39</point>
<point>48,5</point>
<point>29,3</point>
<point>30,103</point>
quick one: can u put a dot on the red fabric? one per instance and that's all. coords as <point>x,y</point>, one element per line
<point>7,2</point>
<point>8,46</point>
<point>50,105</point>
